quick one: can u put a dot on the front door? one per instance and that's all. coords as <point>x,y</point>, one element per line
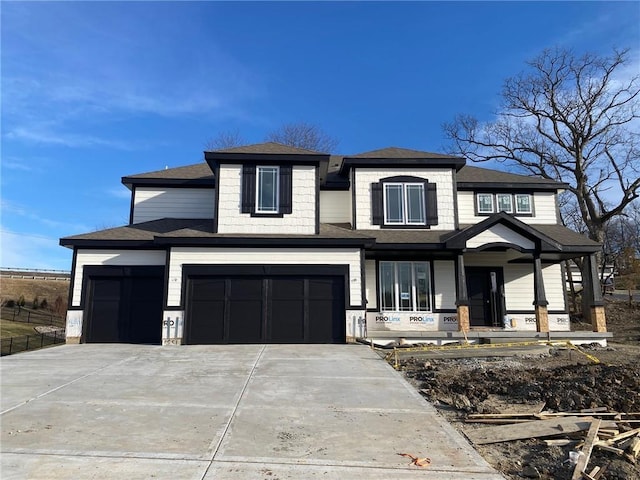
<point>485,287</point>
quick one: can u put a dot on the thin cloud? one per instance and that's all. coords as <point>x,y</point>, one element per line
<point>121,193</point>
<point>25,250</point>
<point>18,210</point>
<point>66,139</point>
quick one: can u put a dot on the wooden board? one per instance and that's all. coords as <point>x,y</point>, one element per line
<point>535,429</point>
<point>583,460</point>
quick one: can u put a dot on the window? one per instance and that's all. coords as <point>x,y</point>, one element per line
<point>523,203</point>
<point>485,202</point>
<point>504,202</point>
<point>267,190</point>
<point>405,287</point>
<point>404,204</point>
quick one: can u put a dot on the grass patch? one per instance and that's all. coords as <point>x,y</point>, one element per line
<point>16,329</point>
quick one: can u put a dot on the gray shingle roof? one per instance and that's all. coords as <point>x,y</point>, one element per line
<point>470,174</point>
<point>396,152</point>
<point>269,148</point>
<point>188,172</point>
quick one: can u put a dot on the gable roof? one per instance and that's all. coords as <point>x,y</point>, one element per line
<point>399,157</point>
<point>198,174</point>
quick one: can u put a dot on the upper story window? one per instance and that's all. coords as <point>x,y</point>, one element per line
<point>523,204</point>
<point>267,189</point>
<point>404,202</point>
<point>519,203</point>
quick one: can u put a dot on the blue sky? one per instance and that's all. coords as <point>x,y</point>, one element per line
<point>95,91</point>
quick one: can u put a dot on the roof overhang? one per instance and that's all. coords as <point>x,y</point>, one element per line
<point>360,162</point>
<point>510,186</point>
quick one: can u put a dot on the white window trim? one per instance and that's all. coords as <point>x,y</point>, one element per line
<point>414,288</point>
<point>405,203</point>
<point>510,196</point>
<point>527,212</point>
<point>277,189</point>
<point>490,195</point>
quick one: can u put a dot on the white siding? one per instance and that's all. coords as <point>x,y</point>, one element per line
<point>335,206</point>
<point>544,209</point>
<point>499,234</point>
<point>553,286</point>
<point>442,177</point>
<point>302,220</point>
<point>444,284</point>
<point>155,203</point>
<point>518,286</point>
<point>371,284</point>
<point>111,257</point>
<point>279,256</point>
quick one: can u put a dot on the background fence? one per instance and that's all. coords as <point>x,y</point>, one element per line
<point>32,342</point>
<point>38,317</point>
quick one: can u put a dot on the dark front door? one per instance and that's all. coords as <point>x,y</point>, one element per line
<point>485,287</point>
<point>265,309</point>
<point>124,305</point>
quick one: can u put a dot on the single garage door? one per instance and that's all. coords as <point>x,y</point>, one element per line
<point>124,305</point>
<point>284,308</point>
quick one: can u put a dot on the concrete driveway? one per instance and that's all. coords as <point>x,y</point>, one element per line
<point>220,412</point>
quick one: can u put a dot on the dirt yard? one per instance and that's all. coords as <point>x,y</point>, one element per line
<point>555,379</point>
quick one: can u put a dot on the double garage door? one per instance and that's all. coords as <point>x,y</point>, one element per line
<point>266,305</point>
<point>241,304</point>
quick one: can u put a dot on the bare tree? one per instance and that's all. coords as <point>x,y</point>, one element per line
<point>303,135</point>
<point>226,139</point>
<point>568,118</point>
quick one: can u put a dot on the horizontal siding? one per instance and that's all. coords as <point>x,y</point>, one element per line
<point>444,287</point>
<point>518,288</point>
<point>302,220</point>
<point>335,206</point>
<point>499,234</point>
<point>155,203</point>
<point>442,177</point>
<point>544,209</point>
<point>271,256</point>
<point>111,257</point>
<point>553,286</point>
<point>371,284</point>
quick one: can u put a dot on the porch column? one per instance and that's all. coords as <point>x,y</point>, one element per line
<point>462,297</point>
<point>540,298</point>
<point>591,287</point>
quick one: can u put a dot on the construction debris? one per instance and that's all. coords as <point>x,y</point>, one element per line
<point>419,462</point>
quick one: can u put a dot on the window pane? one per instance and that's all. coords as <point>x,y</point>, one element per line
<point>267,189</point>
<point>404,285</point>
<point>485,203</point>
<point>415,204</point>
<point>523,203</point>
<point>504,203</point>
<point>393,204</point>
<point>422,286</point>
<point>387,283</point>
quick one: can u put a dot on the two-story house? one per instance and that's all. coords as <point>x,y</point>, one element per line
<point>270,243</point>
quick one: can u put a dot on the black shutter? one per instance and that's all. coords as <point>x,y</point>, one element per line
<point>286,190</point>
<point>248,188</point>
<point>376,203</point>
<point>431,201</point>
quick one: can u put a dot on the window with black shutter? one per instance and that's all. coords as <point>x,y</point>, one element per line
<point>404,202</point>
<point>267,190</point>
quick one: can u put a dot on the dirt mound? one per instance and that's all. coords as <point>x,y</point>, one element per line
<point>572,387</point>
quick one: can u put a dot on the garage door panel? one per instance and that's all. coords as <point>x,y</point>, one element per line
<point>104,312</point>
<point>207,322</point>
<point>245,321</point>
<point>287,320</point>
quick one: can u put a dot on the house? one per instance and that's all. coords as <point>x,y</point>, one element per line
<point>271,243</point>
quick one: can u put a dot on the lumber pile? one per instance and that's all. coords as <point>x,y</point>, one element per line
<point>582,431</point>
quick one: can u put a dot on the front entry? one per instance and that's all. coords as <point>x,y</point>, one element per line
<point>485,286</point>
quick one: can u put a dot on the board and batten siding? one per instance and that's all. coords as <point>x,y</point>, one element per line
<point>155,203</point>
<point>444,284</point>
<point>335,206</point>
<point>371,284</point>
<point>112,257</point>
<point>442,177</point>
<point>544,209</point>
<point>271,256</point>
<point>302,220</point>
